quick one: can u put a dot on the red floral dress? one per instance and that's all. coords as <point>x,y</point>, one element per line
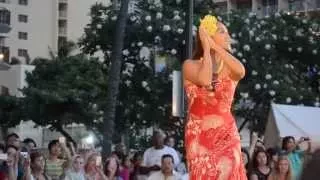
<point>211,137</point>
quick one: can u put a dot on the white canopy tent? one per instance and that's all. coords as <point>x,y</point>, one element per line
<point>289,120</point>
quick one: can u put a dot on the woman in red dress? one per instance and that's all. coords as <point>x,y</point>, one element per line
<point>210,78</point>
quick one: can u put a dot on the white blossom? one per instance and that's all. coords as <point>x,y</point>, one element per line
<point>166,28</point>
<point>98,47</point>
<point>272,92</point>
<point>317,104</point>
<point>239,54</point>
<point>258,39</point>
<point>299,49</point>
<point>244,60</point>
<point>288,100</point>
<point>286,66</point>
<point>128,83</point>
<point>99,26</point>
<point>257,86</point>
<point>276,82</point>
<point>159,15</point>
<point>251,33</point>
<point>233,35</point>
<point>304,21</point>
<point>252,14</point>
<point>133,18</point>
<point>240,34</point>
<point>125,52</point>
<point>277,14</point>
<point>247,21</point>
<point>244,95</point>
<point>177,17</point>
<point>148,18</point>
<point>114,18</point>
<point>144,84</point>
<point>285,38</point>
<point>254,73</point>
<point>149,28</point>
<point>132,45</point>
<point>265,85</point>
<point>274,36</point>
<point>290,49</point>
<point>175,12</point>
<point>268,76</point>
<point>267,46</point>
<point>246,47</point>
<point>314,52</point>
<point>173,51</point>
<point>180,30</point>
<point>148,89</point>
<point>140,44</point>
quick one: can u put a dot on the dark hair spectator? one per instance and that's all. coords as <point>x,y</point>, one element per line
<point>12,135</point>
<point>167,156</point>
<point>108,163</point>
<point>285,141</point>
<point>52,143</point>
<point>29,140</point>
<point>246,159</point>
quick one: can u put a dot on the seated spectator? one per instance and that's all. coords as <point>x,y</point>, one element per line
<point>167,170</point>
<point>93,168</point>
<point>152,156</point>
<point>55,166</point>
<point>29,144</point>
<point>282,170</point>
<point>296,157</point>
<point>76,172</point>
<point>112,169</point>
<point>34,168</point>
<point>260,169</point>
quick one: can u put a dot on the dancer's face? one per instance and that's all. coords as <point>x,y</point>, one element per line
<point>222,37</point>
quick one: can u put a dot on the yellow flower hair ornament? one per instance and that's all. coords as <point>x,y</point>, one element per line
<point>210,24</point>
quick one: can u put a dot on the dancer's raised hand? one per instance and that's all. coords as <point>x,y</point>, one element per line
<point>204,37</point>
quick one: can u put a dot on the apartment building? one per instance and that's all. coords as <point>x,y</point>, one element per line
<point>265,7</point>
<point>33,27</point>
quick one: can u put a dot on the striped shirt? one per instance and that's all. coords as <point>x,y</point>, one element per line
<point>54,169</point>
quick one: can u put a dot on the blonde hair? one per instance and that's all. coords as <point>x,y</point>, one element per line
<point>276,171</point>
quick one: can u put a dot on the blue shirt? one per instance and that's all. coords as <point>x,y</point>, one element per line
<point>296,162</point>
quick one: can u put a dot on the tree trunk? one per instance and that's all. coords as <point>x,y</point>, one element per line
<point>114,78</point>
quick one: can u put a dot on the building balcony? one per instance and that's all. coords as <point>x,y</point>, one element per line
<point>63,1</point>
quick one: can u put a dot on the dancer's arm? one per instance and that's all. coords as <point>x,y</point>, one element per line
<point>237,70</point>
<point>200,73</point>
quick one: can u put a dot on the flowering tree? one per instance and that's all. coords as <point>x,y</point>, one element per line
<point>281,56</point>
<point>279,52</point>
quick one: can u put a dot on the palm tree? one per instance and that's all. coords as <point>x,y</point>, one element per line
<point>114,77</point>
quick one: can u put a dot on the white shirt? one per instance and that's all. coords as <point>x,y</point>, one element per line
<point>160,176</point>
<point>153,156</point>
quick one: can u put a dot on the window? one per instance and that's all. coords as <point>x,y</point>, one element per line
<point>23,35</point>
<point>23,18</point>
<point>23,2</point>
<point>5,16</point>
<point>4,1</point>
<point>22,52</point>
